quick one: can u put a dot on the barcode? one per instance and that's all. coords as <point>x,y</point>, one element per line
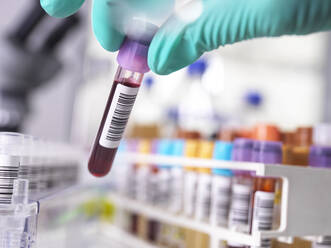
<point>239,211</point>
<point>190,188</point>
<point>163,187</point>
<point>203,200</point>
<point>221,193</point>
<point>176,191</point>
<point>263,214</point>
<point>153,190</point>
<point>118,115</point>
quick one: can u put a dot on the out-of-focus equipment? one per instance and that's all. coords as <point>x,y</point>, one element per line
<point>23,68</point>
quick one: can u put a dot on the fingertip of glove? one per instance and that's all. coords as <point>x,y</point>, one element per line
<point>157,67</point>
<point>110,40</point>
<point>164,58</point>
<point>59,8</point>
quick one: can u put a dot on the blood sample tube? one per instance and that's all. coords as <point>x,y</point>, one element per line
<point>288,140</point>
<point>203,194</point>
<point>190,177</point>
<point>228,134</point>
<point>154,194</point>
<point>176,193</point>
<point>264,188</point>
<point>202,203</point>
<point>143,173</point>
<point>221,185</point>
<point>242,187</point>
<point>300,151</point>
<point>137,183</point>
<point>266,132</point>
<point>132,59</point>
<point>176,172</point>
<point>190,187</point>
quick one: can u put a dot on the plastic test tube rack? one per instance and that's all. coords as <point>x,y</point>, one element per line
<point>19,210</point>
<point>305,203</point>
<point>18,220</point>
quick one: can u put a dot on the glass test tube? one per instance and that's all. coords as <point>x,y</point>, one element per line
<point>221,186</point>
<point>264,188</point>
<point>177,181</point>
<point>242,186</point>
<point>153,197</point>
<point>203,193</point>
<point>190,187</point>
<point>132,59</point>
<point>300,151</point>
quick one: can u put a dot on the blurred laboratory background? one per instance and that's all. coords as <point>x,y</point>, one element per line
<point>280,80</point>
<point>55,80</point>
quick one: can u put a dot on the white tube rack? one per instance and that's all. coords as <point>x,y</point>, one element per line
<point>305,203</point>
<point>120,238</point>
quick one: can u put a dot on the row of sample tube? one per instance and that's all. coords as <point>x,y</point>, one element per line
<point>238,200</point>
<point>47,166</point>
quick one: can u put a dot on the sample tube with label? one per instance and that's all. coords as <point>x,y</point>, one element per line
<point>203,199</point>
<point>203,194</point>
<point>288,140</point>
<point>143,174</point>
<point>190,178</point>
<point>266,132</point>
<point>177,181</point>
<point>221,185</point>
<point>264,188</point>
<point>303,140</point>
<point>176,192</point>
<point>320,156</point>
<point>190,187</point>
<point>138,186</point>
<point>242,186</point>
<point>163,178</point>
<point>132,59</point>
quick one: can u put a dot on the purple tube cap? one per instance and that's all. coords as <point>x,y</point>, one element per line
<point>133,56</point>
<point>267,152</point>
<point>134,50</point>
<point>320,156</point>
<point>242,150</point>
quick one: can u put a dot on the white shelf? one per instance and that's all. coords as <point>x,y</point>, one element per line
<point>172,219</point>
<point>305,203</point>
<point>119,238</point>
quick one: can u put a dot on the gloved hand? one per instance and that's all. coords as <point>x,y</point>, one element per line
<point>204,25</point>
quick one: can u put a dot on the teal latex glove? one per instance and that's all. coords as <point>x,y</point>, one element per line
<point>109,16</point>
<point>179,42</point>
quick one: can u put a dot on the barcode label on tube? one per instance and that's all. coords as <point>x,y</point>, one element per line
<point>263,214</point>
<point>203,198</point>
<point>221,196</point>
<point>239,211</point>
<point>118,115</point>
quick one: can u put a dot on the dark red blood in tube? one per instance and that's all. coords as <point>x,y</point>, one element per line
<point>101,158</point>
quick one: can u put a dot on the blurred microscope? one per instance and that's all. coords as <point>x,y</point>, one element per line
<point>23,67</point>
